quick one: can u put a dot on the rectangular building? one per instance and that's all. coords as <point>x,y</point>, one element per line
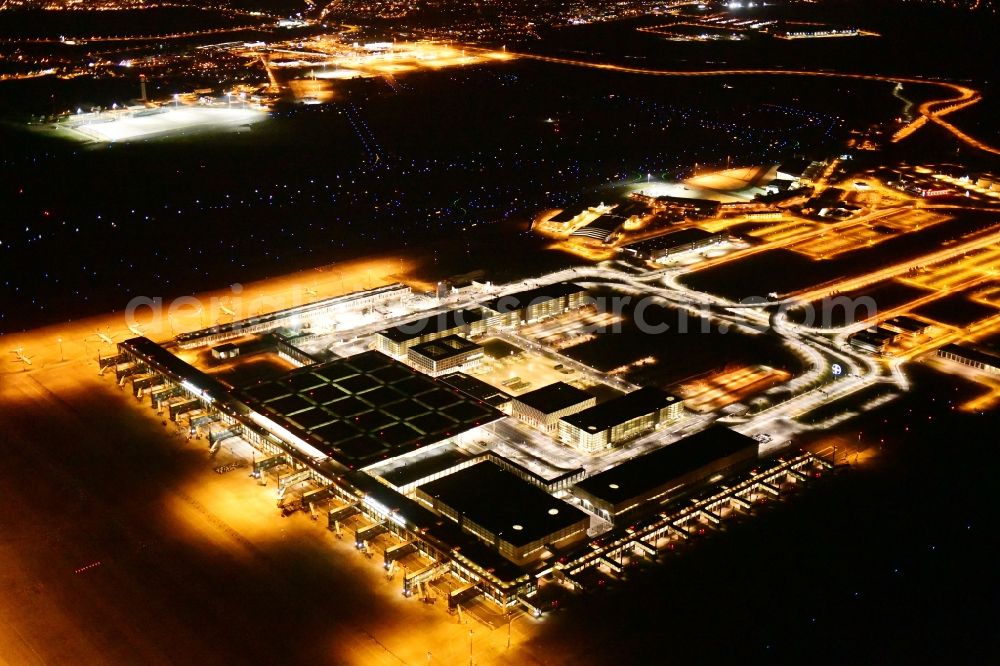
<point>647,481</point>
<point>543,407</point>
<point>511,515</point>
<point>874,340</point>
<point>524,307</point>
<point>296,316</point>
<point>675,242</point>
<point>396,341</point>
<point>444,354</point>
<point>906,325</point>
<point>973,358</point>
<point>619,419</point>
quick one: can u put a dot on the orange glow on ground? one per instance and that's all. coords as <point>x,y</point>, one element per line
<point>81,339</point>
<point>728,387</point>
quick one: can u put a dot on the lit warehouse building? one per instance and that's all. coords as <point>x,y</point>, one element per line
<point>543,407</point>
<point>654,478</point>
<point>619,419</point>
<point>511,515</point>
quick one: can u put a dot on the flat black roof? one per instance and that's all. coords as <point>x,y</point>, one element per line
<point>621,409</point>
<point>444,321</point>
<point>907,323</point>
<point>523,299</point>
<point>409,470</point>
<point>475,388</point>
<point>878,335</point>
<point>366,408</point>
<point>450,536</point>
<point>179,369</point>
<point>444,348</point>
<point>673,239</point>
<point>974,355</point>
<point>648,472</point>
<point>554,397</point>
<point>415,514</point>
<point>514,510</point>
<point>795,167</point>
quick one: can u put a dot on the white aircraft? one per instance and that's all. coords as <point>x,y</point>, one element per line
<point>106,338</point>
<point>136,329</point>
<point>19,352</point>
<point>227,311</point>
<point>311,292</point>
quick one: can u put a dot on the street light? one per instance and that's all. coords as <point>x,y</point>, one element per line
<point>61,357</point>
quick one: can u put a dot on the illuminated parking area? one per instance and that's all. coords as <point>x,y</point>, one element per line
<point>328,60</point>
<point>109,127</point>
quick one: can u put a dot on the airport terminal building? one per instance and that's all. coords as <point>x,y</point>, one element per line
<point>526,307</point>
<point>543,407</point>
<point>509,514</point>
<point>646,482</point>
<point>618,420</point>
<point>406,449</point>
<point>396,341</point>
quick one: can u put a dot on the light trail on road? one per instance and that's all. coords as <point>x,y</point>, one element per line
<point>966,96</point>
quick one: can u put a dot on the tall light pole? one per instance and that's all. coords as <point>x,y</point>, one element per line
<point>470,647</point>
<point>61,357</point>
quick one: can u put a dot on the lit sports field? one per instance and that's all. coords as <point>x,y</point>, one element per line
<point>110,128</point>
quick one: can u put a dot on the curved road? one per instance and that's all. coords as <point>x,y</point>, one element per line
<point>932,111</point>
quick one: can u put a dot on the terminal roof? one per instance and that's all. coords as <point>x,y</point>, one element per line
<point>409,469</point>
<point>178,369</point>
<point>515,510</point>
<point>648,472</point>
<point>554,397</point>
<point>366,408</point>
<point>475,388</point>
